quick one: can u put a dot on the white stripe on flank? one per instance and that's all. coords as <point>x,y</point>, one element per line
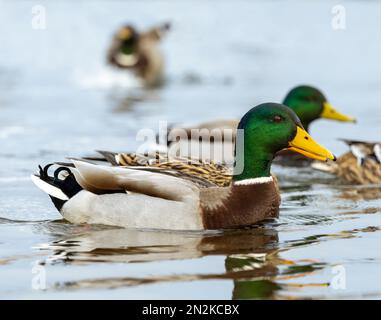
<point>254,181</point>
<point>48,188</point>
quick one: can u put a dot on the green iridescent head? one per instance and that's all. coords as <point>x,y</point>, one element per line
<point>267,129</point>
<point>127,37</point>
<point>310,104</point>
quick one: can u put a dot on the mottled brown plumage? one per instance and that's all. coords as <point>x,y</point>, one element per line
<point>206,174</point>
<point>361,165</point>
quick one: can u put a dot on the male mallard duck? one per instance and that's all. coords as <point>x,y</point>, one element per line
<point>360,165</point>
<point>307,102</point>
<point>151,197</point>
<point>310,104</point>
<point>139,52</point>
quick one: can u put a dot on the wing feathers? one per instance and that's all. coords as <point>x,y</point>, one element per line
<point>149,183</point>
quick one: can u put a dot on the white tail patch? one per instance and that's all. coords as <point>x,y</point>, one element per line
<point>48,188</point>
<point>254,181</point>
<point>377,152</point>
<point>358,153</point>
<point>117,158</point>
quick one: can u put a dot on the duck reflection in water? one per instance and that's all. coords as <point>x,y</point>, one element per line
<point>252,256</point>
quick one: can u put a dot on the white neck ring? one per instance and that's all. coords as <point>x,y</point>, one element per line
<point>260,180</point>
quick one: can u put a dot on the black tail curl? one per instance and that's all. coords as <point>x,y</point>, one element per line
<point>67,185</point>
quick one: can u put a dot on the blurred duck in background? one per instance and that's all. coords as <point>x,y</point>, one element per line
<point>140,53</point>
<point>307,102</point>
<point>360,165</point>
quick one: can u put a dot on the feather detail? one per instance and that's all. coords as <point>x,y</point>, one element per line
<point>203,174</point>
<point>361,165</point>
<point>377,152</point>
<point>144,182</point>
<point>49,189</point>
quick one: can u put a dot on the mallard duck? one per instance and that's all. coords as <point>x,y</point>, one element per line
<point>310,104</point>
<point>307,102</point>
<point>360,165</point>
<point>166,198</point>
<point>139,52</point>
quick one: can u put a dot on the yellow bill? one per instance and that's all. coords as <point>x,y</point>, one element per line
<point>330,112</point>
<point>304,144</point>
<point>124,34</point>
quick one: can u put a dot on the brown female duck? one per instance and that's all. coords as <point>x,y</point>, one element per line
<point>360,165</point>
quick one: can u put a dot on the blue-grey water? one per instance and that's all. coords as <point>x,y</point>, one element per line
<point>58,98</point>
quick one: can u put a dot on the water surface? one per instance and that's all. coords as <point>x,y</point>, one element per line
<point>59,99</point>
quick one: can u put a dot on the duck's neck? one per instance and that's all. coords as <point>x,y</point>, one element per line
<point>256,164</point>
<point>127,48</point>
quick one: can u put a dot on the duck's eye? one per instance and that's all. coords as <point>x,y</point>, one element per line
<point>277,119</point>
<point>308,99</point>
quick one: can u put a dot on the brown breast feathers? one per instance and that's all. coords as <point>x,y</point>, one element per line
<point>239,205</point>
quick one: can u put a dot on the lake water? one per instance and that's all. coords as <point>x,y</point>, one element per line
<point>59,99</point>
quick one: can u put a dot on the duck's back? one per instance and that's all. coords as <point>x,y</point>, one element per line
<point>349,169</point>
<point>360,165</point>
